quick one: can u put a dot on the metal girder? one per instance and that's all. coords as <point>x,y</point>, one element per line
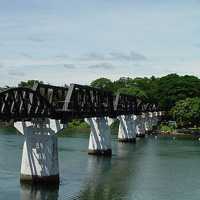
<point>84,101</point>
<point>63,103</point>
<point>54,94</point>
<point>125,104</point>
<point>23,103</point>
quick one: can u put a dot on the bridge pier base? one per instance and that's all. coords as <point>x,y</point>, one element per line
<point>99,141</point>
<point>155,119</point>
<point>140,127</point>
<point>148,122</point>
<point>40,152</point>
<point>127,125</point>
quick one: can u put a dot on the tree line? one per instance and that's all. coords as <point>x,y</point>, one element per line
<point>178,95</point>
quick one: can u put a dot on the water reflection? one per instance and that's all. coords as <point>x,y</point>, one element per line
<point>109,177</point>
<point>151,168</point>
<point>38,192</point>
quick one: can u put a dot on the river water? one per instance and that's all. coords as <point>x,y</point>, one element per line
<point>151,169</point>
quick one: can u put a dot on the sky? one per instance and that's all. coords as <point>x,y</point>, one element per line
<point>78,41</point>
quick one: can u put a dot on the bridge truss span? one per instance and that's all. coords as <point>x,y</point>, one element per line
<point>84,101</point>
<point>23,103</point>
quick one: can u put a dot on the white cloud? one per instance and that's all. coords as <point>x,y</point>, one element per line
<point>133,56</point>
<point>95,55</point>
<point>16,73</point>
<point>34,39</point>
<point>103,65</point>
<point>62,55</point>
<point>197,45</point>
<point>136,64</point>
<point>69,66</point>
<point>26,55</point>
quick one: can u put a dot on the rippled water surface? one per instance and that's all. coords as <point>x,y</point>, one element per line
<point>162,168</point>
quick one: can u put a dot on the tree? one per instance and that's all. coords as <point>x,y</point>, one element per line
<point>187,112</point>
<point>134,91</point>
<point>123,83</point>
<point>102,83</point>
<point>4,88</point>
<point>149,86</point>
<point>29,83</point>
<point>172,88</point>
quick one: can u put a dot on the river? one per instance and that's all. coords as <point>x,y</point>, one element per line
<point>152,168</point>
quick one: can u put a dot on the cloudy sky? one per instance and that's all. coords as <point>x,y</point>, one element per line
<point>77,41</point>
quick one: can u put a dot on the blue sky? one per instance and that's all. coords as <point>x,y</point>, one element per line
<point>77,41</point>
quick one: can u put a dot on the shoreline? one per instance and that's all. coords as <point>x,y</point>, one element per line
<point>154,132</point>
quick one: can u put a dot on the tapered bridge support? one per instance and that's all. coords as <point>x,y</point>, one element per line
<point>140,127</point>
<point>155,119</point>
<point>148,122</point>
<point>40,151</point>
<point>99,141</point>
<point>127,128</point>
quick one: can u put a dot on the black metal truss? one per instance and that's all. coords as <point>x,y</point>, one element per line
<point>62,103</point>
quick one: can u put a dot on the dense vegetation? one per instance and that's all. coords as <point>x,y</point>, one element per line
<point>176,94</point>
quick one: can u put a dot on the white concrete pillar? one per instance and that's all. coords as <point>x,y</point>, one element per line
<point>155,119</point>
<point>148,122</point>
<point>127,128</point>
<point>40,151</point>
<point>99,141</point>
<point>159,117</point>
<point>140,127</point>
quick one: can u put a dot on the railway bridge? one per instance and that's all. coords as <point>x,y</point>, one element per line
<point>41,112</point>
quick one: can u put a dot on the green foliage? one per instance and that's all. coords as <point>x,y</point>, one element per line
<point>115,125</point>
<point>4,88</point>
<point>187,112</point>
<point>78,124</point>
<point>149,86</point>
<point>134,91</point>
<point>164,128</point>
<point>29,83</point>
<point>123,83</point>
<point>172,88</point>
<point>102,83</point>
<point>165,91</point>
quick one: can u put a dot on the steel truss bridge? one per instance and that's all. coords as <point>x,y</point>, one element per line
<point>76,101</point>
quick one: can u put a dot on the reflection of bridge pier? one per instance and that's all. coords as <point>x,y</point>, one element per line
<point>108,175</point>
<point>54,105</point>
<point>36,192</point>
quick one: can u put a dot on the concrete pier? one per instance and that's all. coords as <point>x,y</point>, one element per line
<point>99,141</point>
<point>148,122</point>
<point>127,128</point>
<point>40,152</point>
<point>140,127</point>
<point>155,119</point>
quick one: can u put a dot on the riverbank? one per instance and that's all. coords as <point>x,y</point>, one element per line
<point>85,127</point>
<point>179,132</point>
